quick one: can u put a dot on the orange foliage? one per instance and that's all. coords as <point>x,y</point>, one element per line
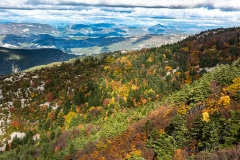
<point>51,115</point>
<point>56,149</point>
<point>167,112</point>
<point>106,101</point>
<point>49,97</point>
<point>79,126</point>
<point>188,79</point>
<point>178,155</point>
<point>144,101</point>
<point>16,124</point>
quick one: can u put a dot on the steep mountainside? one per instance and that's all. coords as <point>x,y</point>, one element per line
<point>178,101</point>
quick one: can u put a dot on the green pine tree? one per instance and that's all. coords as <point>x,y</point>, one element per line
<point>178,130</point>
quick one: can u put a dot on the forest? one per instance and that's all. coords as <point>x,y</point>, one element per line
<point>178,101</point>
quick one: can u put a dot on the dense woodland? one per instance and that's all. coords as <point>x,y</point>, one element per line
<point>178,101</point>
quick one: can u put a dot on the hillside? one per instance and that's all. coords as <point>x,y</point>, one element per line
<point>178,101</point>
<point>15,60</point>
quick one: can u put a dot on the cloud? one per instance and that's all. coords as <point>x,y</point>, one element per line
<point>121,15</point>
<point>185,13</point>
<point>182,4</point>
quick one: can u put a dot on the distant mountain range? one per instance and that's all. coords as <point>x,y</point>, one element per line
<point>86,39</point>
<point>26,45</point>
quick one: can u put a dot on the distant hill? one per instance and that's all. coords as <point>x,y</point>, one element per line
<point>13,60</point>
<point>177,101</point>
<point>89,39</point>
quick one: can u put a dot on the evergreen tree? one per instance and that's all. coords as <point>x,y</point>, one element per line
<point>60,120</point>
<point>66,107</point>
<point>71,149</point>
<point>28,137</point>
<point>164,147</point>
<point>79,98</point>
<point>6,145</point>
<point>210,137</point>
<point>46,125</point>
<point>17,151</point>
<point>178,130</point>
<point>196,130</point>
<point>75,121</point>
<point>52,135</point>
<point>15,142</point>
<point>232,130</point>
<point>148,127</point>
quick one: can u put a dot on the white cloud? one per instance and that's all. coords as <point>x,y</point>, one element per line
<point>187,12</point>
<point>130,16</point>
<point>221,4</point>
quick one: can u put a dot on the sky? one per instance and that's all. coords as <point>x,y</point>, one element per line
<point>204,13</point>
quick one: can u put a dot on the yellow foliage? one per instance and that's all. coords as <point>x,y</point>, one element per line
<point>101,146</point>
<point>236,84</point>
<point>116,71</point>
<point>154,71</point>
<point>134,153</point>
<point>161,132</point>
<point>224,101</point>
<point>106,67</point>
<point>151,94</point>
<point>112,101</point>
<point>115,84</point>
<point>167,112</point>
<point>32,95</point>
<point>182,109</point>
<point>128,66</point>
<point>91,108</point>
<point>109,59</point>
<point>236,80</point>
<point>123,90</point>
<point>69,117</point>
<point>134,87</point>
<point>150,59</point>
<point>186,49</point>
<point>211,105</point>
<point>205,117</point>
<point>178,74</point>
<point>168,68</point>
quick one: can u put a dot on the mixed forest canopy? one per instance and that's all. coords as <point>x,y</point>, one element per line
<point>177,101</point>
